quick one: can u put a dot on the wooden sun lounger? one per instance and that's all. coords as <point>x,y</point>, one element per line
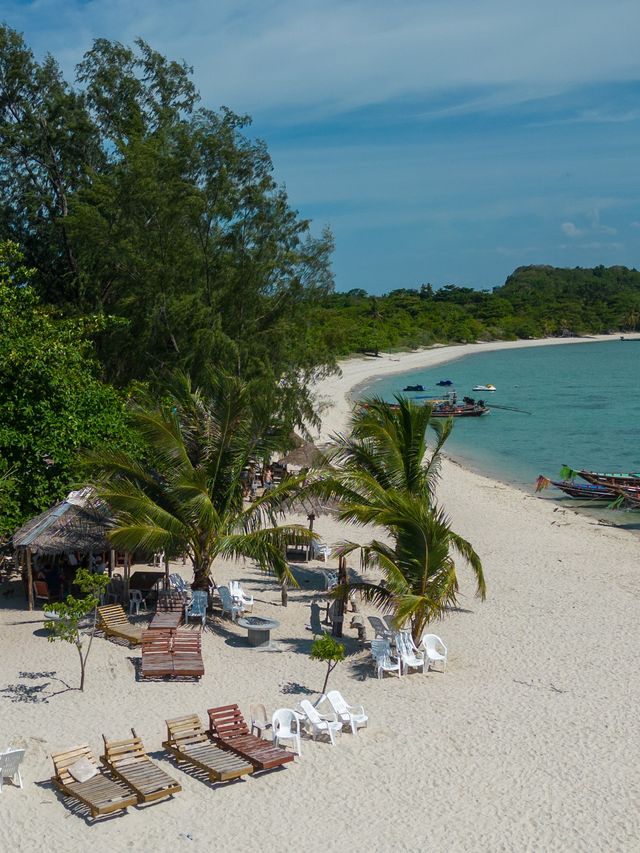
<point>169,612</point>
<point>113,621</point>
<point>165,621</point>
<point>173,653</point>
<point>101,794</point>
<point>228,727</point>
<point>187,654</point>
<point>187,741</point>
<point>128,760</point>
<point>157,659</point>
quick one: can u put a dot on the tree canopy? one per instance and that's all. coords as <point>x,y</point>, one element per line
<point>52,401</point>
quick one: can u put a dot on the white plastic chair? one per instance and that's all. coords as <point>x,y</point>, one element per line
<point>381,651</point>
<point>330,580</point>
<point>229,604</point>
<point>434,650</point>
<point>176,581</point>
<point>259,720</point>
<point>136,601</point>
<point>380,629</point>
<point>320,551</point>
<point>351,715</point>
<point>10,761</point>
<point>197,607</point>
<point>237,592</point>
<point>410,657</point>
<point>286,727</point>
<point>320,724</point>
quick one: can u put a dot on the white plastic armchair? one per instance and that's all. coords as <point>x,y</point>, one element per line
<point>229,604</point>
<point>320,724</point>
<point>351,715</point>
<point>320,551</point>
<point>259,722</point>
<point>409,655</point>
<point>240,595</point>
<point>434,650</point>
<point>176,581</point>
<point>381,651</point>
<point>286,726</point>
<point>10,761</point>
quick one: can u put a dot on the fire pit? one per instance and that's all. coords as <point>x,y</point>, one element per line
<point>258,630</point>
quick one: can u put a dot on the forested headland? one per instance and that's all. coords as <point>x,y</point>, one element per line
<point>142,232</point>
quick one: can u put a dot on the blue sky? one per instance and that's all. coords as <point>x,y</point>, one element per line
<point>441,141</point>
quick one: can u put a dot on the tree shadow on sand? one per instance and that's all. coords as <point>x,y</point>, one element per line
<point>34,693</point>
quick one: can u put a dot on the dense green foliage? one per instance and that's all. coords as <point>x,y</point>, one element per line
<point>158,240</point>
<point>384,474</point>
<point>187,497</point>
<point>534,302</point>
<point>51,400</point>
<point>132,200</point>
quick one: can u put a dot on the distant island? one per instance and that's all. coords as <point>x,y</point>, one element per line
<point>534,302</point>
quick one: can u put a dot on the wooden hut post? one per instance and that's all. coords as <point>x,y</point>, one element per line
<point>166,571</point>
<point>112,562</point>
<point>29,579</point>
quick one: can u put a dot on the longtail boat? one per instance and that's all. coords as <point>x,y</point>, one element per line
<point>630,496</point>
<point>579,491</point>
<point>592,491</point>
<point>610,479</point>
<point>455,410</point>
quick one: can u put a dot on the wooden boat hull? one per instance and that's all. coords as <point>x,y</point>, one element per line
<point>623,480</point>
<point>586,492</point>
<point>460,412</point>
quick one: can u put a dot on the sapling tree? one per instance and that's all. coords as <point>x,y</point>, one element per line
<point>71,613</point>
<point>329,650</point>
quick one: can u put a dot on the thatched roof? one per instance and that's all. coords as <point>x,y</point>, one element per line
<point>304,456</point>
<point>78,523</point>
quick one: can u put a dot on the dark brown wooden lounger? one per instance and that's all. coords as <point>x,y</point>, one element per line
<point>187,654</point>
<point>128,760</point>
<point>228,728</point>
<point>101,794</point>
<point>165,621</point>
<point>187,741</point>
<point>169,611</point>
<point>157,659</point>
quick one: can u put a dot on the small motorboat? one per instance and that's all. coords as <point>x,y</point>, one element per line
<point>445,382</point>
<point>484,387</point>
<point>413,388</point>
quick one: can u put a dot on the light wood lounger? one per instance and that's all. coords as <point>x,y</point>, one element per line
<point>113,621</point>
<point>101,794</point>
<point>128,760</point>
<point>187,741</point>
<point>228,727</point>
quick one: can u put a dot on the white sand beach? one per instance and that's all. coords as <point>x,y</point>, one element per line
<point>528,742</point>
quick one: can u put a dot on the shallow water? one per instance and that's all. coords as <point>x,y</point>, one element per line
<point>584,405</point>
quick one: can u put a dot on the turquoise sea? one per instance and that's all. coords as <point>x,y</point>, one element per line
<point>584,401</point>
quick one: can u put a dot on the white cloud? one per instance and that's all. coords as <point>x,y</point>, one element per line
<point>326,56</point>
<point>570,229</point>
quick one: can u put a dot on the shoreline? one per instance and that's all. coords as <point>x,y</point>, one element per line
<point>338,394</point>
<point>343,389</point>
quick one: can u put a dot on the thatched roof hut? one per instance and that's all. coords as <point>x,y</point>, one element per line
<point>305,456</point>
<point>78,523</point>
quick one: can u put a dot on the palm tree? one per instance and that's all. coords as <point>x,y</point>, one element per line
<point>187,496</point>
<point>383,474</point>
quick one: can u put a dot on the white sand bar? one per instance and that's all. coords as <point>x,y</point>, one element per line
<point>530,742</point>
